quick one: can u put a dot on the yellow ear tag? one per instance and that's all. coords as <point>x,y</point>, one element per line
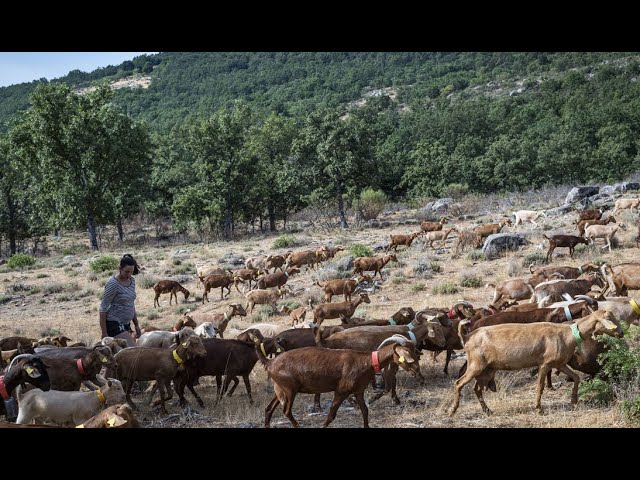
<point>80,426</point>
<point>103,359</point>
<point>29,370</point>
<point>184,344</point>
<point>278,350</point>
<point>401,359</point>
<point>111,422</point>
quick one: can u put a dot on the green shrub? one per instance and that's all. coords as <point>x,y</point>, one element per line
<point>177,261</point>
<point>445,289</point>
<point>470,281</point>
<point>435,266</point>
<point>54,287</point>
<point>630,409</point>
<point>104,263</point>
<point>153,315</point>
<point>285,241</point>
<point>146,281</point>
<point>50,332</point>
<point>42,275</point>
<point>455,190</point>
<point>537,258</point>
<point>359,250</point>
<point>476,255</point>
<point>182,309</point>
<point>21,260</point>
<point>397,279</point>
<point>4,299</point>
<point>418,287</point>
<point>422,269</point>
<point>370,203</point>
<point>596,391</point>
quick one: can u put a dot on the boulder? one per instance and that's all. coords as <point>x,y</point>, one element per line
<point>498,242</point>
<point>561,210</point>
<point>625,186</point>
<point>578,193</point>
<point>441,205</point>
<point>607,190</point>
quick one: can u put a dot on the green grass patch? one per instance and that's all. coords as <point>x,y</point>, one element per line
<point>445,289</point>
<point>470,281</point>
<point>285,241</point>
<point>359,250</point>
<point>104,264</point>
<point>418,287</point>
<point>20,260</point>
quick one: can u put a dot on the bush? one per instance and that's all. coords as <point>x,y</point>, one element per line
<point>445,289</point>
<point>370,203</point>
<point>104,263</point>
<point>359,250</point>
<point>596,391</point>
<point>470,282</point>
<point>42,275</point>
<point>21,260</point>
<point>54,288</point>
<point>630,409</point>
<point>537,258</point>
<point>476,255</point>
<point>422,269</point>
<point>285,241</point>
<point>418,287</point>
<point>435,266</point>
<point>146,281</point>
<point>455,190</point>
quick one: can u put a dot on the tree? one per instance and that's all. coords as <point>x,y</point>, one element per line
<point>338,149</point>
<point>217,145</point>
<point>87,152</point>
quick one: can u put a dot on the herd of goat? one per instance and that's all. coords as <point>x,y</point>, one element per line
<point>555,330</point>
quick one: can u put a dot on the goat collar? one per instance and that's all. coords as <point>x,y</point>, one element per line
<point>567,313</point>
<point>101,396</point>
<point>392,321</point>
<point>177,358</point>
<point>492,310</point>
<point>633,303</point>
<point>262,349</point>
<point>450,314</point>
<point>80,367</point>
<point>3,389</point>
<point>226,317</point>
<point>580,271</point>
<point>412,336</point>
<point>375,362</point>
<point>576,334</point>
<point>411,326</point>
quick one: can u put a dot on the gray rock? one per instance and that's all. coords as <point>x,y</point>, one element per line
<point>561,210</point>
<point>625,186</point>
<point>498,242</point>
<point>578,193</point>
<point>373,223</point>
<point>427,208</point>
<point>441,205</point>
<point>68,258</point>
<point>607,189</point>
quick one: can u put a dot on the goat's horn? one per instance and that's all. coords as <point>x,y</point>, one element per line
<point>586,298</point>
<point>30,356</point>
<point>464,302</point>
<point>393,339</point>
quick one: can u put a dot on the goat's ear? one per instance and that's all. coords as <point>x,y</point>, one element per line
<point>115,421</point>
<point>109,383</point>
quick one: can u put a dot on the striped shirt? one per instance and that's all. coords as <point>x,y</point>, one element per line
<point>118,301</point>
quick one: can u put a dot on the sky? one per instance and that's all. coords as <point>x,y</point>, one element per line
<point>20,67</point>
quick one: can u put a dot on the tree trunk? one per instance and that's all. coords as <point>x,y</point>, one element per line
<point>120,230</point>
<point>12,234</point>
<point>272,217</point>
<point>343,217</point>
<point>56,232</point>
<point>91,226</point>
<point>261,227</point>
<point>284,217</point>
<point>228,219</point>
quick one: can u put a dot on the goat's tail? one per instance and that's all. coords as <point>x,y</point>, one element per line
<point>318,283</point>
<point>546,236</point>
<point>531,267</point>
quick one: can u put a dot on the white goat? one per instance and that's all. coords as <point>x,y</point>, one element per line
<point>68,408</point>
<point>205,330</point>
<point>624,203</point>
<point>527,216</point>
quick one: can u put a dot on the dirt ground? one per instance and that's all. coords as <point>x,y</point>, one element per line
<point>60,294</point>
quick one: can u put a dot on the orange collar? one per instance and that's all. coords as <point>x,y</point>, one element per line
<point>450,314</point>
<point>375,362</point>
<point>80,367</point>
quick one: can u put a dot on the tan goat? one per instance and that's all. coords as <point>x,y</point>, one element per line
<point>603,231</point>
<point>433,226</point>
<point>345,286</point>
<point>516,346</point>
<point>439,235</point>
<point>338,310</point>
<point>527,216</point>
<point>483,231</point>
<point>582,224</point>
<point>626,203</point>
<point>263,297</point>
<point>622,278</point>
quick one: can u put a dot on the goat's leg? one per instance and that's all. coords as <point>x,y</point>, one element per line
<point>126,385</point>
<point>268,412</point>
<point>247,384</point>
<point>477,389</point>
<point>288,406</point>
<point>363,408</point>
<point>446,362</point>
<point>542,374</point>
<point>162,386</point>
<point>155,300</point>
<point>470,373</point>
<point>316,402</point>
<point>227,381</point>
<point>571,252</point>
<point>549,383</point>
<point>190,386</point>
<point>576,382</point>
<point>338,398</point>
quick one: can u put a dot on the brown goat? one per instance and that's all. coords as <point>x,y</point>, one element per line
<point>337,310</point>
<point>433,226</point>
<point>69,367</point>
<point>590,214</point>
<point>569,241</point>
<point>248,274</point>
<point>171,287</point>
<point>330,252</point>
<point>566,271</point>
<point>297,315</point>
<point>277,279</point>
<point>372,264</point>
<point>483,231</point>
<point>11,343</point>
<point>275,262</point>
<point>215,281</point>
<point>159,364</point>
<point>319,370</point>
<point>187,321</point>
<point>345,286</point>
<point>516,346</point>
<point>221,320</point>
<point>402,240</point>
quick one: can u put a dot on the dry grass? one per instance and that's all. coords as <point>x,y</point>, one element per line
<point>31,304</point>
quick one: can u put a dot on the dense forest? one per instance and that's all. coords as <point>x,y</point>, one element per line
<point>221,139</point>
